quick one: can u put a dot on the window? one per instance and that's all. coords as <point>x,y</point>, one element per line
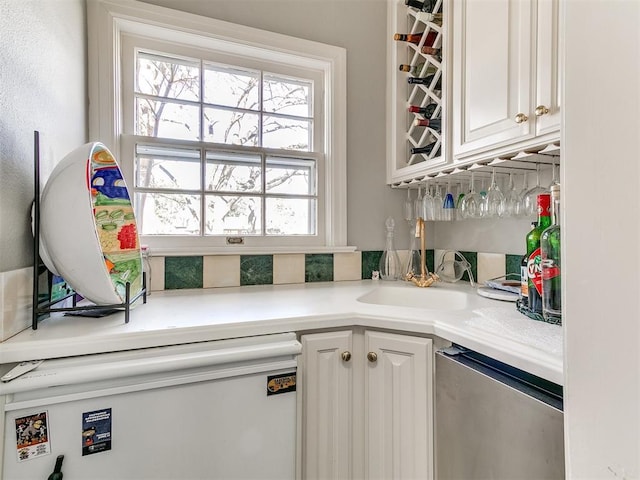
<point>231,139</point>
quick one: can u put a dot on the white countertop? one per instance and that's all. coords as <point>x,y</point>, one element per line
<point>450,311</point>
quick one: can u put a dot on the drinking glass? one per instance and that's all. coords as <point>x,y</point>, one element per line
<point>417,205</point>
<point>437,204</point>
<point>494,200</point>
<point>471,206</point>
<point>412,265</point>
<point>408,207</point>
<point>427,205</point>
<point>448,205</point>
<point>554,179</point>
<point>521,194</point>
<point>459,202</point>
<point>531,197</point>
<point>511,199</point>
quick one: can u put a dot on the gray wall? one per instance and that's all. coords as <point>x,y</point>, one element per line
<point>43,79</point>
<point>359,26</point>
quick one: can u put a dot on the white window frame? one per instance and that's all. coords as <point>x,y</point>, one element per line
<point>109,20</point>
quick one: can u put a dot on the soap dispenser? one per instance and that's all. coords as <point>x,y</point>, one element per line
<point>390,262</point>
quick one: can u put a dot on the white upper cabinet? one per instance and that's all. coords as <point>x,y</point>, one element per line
<point>505,75</point>
<point>547,109</point>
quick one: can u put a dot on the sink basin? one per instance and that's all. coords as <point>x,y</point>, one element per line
<point>404,295</point>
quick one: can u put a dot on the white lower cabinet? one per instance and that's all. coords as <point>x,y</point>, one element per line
<point>366,406</point>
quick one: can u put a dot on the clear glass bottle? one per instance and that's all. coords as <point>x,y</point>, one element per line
<point>146,266</point>
<point>551,263</point>
<point>390,262</point>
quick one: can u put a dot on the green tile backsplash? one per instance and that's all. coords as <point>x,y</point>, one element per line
<point>512,264</point>
<point>318,267</point>
<point>182,272</point>
<point>187,272</point>
<point>370,262</point>
<point>256,269</point>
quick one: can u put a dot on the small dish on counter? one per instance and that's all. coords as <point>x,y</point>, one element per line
<point>88,231</point>
<point>497,294</point>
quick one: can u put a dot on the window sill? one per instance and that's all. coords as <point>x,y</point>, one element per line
<point>240,250</point>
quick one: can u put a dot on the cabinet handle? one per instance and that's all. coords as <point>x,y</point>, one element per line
<point>541,110</point>
<point>521,118</point>
<point>372,357</point>
<point>346,356</point>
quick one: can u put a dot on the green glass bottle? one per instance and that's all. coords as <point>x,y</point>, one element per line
<point>534,261</point>
<point>551,263</point>
<point>524,277</point>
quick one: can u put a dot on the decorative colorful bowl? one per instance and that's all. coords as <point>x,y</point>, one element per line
<point>88,232</point>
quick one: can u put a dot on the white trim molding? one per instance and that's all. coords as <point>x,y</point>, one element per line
<point>109,19</point>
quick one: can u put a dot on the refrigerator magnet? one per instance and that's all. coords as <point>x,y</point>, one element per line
<point>96,431</point>
<point>32,436</point>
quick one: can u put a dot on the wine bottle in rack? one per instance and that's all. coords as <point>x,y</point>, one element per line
<point>416,37</point>
<point>432,123</point>
<point>426,6</point>
<point>417,69</point>
<point>434,52</point>
<point>424,111</point>
<point>425,81</point>
<point>426,149</point>
<point>425,17</point>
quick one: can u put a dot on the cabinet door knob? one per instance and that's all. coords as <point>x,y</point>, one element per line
<point>521,118</point>
<point>372,357</point>
<point>541,110</point>
<point>346,356</point>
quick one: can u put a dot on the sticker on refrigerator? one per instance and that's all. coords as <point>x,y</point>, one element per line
<point>32,436</point>
<point>282,383</point>
<point>96,431</point>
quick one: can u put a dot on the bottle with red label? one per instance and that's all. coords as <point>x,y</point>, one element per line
<point>524,278</point>
<point>534,261</point>
<point>551,269</point>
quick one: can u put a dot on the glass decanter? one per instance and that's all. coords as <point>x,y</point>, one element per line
<point>390,262</point>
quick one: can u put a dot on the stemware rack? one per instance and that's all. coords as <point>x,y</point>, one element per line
<point>518,162</point>
<point>41,308</point>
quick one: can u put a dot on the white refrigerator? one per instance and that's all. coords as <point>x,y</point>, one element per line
<point>210,410</point>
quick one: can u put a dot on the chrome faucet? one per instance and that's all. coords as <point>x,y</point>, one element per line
<point>426,279</point>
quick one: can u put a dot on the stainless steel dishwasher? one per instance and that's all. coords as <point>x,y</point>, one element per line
<point>494,421</point>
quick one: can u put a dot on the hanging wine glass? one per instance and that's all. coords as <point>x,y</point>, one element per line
<point>437,204</point>
<point>494,200</point>
<point>554,179</point>
<point>511,199</point>
<point>408,208</point>
<point>427,205</point>
<point>531,197</point>
<point>448,205</point>
<point>417,205</point>
<point>471,206</point>
<point>521,195</point>
<point>459,202</point>
<point>412,265</point>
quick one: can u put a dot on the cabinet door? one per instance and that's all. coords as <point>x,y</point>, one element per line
<point>326,377</point>
<point>547,109</point>
<point>398,407</point>
<point>492,81</point>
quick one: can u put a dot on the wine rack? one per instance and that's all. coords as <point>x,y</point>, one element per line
<point>405,135</point>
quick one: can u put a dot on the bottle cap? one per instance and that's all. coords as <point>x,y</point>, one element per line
<point>544,204</point>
